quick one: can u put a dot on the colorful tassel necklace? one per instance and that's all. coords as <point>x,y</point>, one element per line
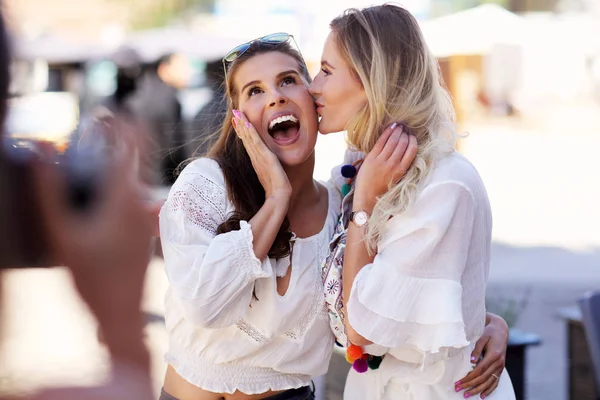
<point>361,362</point>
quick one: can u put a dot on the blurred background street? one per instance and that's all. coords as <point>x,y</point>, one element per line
<point>525,79</point>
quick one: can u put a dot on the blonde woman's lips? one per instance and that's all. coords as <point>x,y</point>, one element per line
<point>319,107</point>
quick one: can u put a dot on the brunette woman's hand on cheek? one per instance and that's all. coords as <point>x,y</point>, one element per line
<point>385,165</point>
<point>268,168</point>
<point>267,221</point>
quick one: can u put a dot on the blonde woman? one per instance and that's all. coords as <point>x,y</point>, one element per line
<point>414,238</point>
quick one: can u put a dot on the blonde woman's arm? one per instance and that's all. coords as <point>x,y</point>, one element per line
<point>411,292</point>
<point>387,162</point>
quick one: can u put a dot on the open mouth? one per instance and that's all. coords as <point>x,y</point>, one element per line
<point>284,129</point>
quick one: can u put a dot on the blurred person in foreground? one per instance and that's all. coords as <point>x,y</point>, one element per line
<point>156,103</point>
<point>105,247</point>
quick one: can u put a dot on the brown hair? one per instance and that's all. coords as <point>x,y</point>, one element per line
<point>245,190</point>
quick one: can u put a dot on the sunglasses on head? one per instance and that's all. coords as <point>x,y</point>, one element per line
<point>273,38</point>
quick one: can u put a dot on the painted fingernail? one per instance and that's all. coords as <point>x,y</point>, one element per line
<point>473,359</point>
<point>458,383</point>
<point>393,126</point>
<point>457,388</point>
<point>482,396</point>
<point>247,124</point>
<point>467,395</point>
<point>237,114</point>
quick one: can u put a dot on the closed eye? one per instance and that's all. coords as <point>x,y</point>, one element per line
<point>325,71</point>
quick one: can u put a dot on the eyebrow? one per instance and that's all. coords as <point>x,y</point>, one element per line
<point>324,62</point>
<point>279,75</point>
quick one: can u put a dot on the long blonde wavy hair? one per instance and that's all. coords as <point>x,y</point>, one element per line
<point>385,49</point>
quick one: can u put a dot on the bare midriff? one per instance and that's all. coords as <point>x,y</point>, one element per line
<point>181,389</point>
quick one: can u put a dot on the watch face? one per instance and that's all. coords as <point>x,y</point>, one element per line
<point>360,218</point>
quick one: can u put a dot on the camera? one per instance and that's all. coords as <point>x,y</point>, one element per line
<point>23,242</point>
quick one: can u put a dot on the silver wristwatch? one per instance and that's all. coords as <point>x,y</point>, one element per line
<point>360,218</point>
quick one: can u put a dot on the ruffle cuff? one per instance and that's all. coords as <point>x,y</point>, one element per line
<point>396,310</point>
<point>242,243</point>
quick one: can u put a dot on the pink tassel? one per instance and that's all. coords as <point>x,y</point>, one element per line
<point>360,366</point>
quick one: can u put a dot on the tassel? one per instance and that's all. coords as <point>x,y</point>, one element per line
<point>348,171</point>
<point>374,362</point>
<point>353,353</point>
<point>345,189</point>
<point>360,366</point>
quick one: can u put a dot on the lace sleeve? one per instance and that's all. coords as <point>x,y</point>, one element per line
<point>203,202</point>
<point>211,275</point>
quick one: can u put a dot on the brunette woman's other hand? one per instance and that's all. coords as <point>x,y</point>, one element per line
<point>484,378</point>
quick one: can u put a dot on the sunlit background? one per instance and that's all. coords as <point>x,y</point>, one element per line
<point>525,80</point>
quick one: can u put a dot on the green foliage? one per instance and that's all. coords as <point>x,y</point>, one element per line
<point>443,7</point>
<point>509,308</point>
<point>503,3</point>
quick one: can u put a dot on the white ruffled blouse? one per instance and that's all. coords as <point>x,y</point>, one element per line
<point>220,337</point>
<point>422,300</point>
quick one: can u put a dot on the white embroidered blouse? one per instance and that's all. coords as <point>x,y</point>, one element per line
<point>221,339</point>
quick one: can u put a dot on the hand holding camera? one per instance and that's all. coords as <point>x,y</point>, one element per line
<point>103,236</point>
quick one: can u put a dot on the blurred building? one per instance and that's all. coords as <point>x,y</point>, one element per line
<point>82,20</point>
<point>95,19</point>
